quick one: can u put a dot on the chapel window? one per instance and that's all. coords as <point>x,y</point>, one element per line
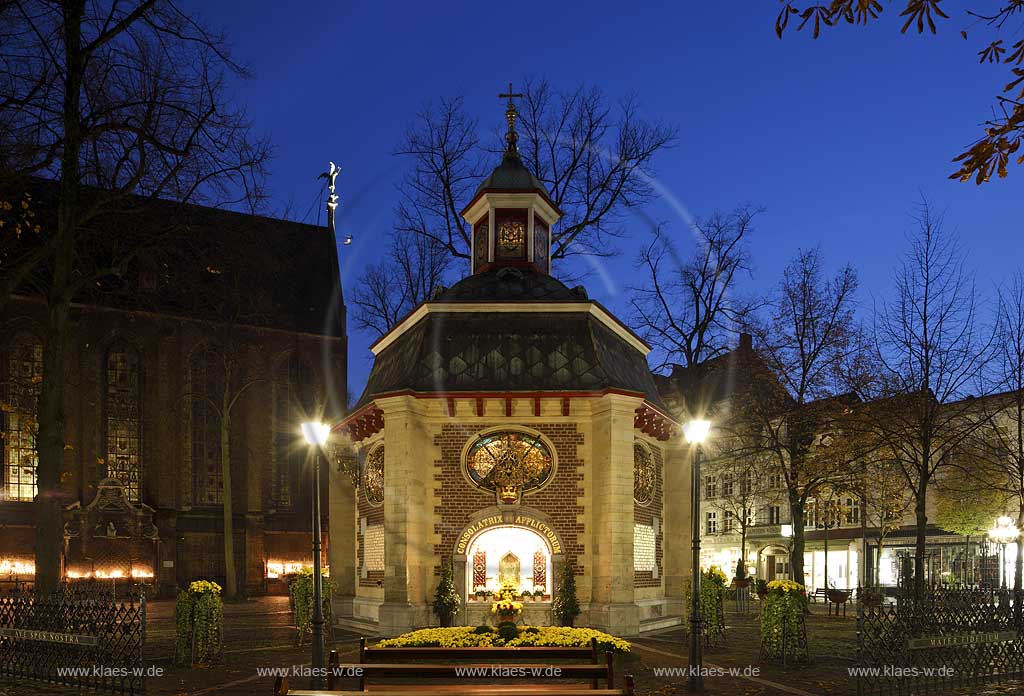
<point>373,476</point>
<point>206,382</point>
<point>509,463</point>
<point>293,385</point>
<point>643,474</point>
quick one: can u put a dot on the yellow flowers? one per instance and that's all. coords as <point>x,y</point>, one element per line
<point>204,586</point>
<point>541,636</point>
<point>716,574</point>
<point>506,606</point>
<point>785,586</point>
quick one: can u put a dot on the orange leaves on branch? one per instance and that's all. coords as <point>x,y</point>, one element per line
<point>920,11</point>
<point>993,53</point>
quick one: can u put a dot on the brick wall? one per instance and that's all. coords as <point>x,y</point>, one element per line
<point>645,514</point>
<point>559,499</point>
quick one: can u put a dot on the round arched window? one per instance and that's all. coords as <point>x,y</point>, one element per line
<point>643,474</point>
<point>373,476</point>
<point>509,463</point>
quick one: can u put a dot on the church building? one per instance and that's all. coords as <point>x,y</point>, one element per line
<point>511,426</point>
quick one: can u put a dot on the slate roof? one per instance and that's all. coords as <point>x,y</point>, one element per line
<point>511,284</point>
<point>448,352</point>
<point>205,263</point>
<point>511,175</point>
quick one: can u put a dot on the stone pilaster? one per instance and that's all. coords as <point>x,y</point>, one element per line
<point>677,475</point>
<point>408,517</point>
<point>613,607</point>
<point>341,554</point>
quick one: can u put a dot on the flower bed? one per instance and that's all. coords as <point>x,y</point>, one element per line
<point>540,636</point>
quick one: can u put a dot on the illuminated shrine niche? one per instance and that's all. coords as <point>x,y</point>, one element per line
<point>498,555</point>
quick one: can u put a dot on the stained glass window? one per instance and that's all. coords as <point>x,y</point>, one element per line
<point>293,404</point>
<point>480,243</point>
<point>643,475</point>
<point>373,476</point>
<point>510,235</point>
<point>509,463</point>
<point>540,243</point>
<point>123,420</point>
<point>206,380</point>
<point>22,377</point>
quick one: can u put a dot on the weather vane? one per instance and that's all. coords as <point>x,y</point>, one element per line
<point>332,199</point>
<point>510,116</point>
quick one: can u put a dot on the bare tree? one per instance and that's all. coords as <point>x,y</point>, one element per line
<point>744,486</point>
<point>884,501</point>
<point>115,101</point>
<point>797,411</point>
<point>592,157</point>
<point>415,268</point>
<point>688,308</point>
<point>931,347</point>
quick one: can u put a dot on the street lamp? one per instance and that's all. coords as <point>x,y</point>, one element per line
<point>316,435</point>
<point>695,432</point>
<point>1003,533</point>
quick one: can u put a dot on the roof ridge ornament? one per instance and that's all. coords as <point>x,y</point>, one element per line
<point>511,138</point>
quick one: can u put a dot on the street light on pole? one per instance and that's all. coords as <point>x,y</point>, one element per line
<point>316,434</point>
<point>1003,533</point>
<point>696,431</point>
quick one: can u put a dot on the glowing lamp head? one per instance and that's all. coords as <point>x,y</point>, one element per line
<point>316,433</point>
<point>696,431</point>
<point>787,530</point>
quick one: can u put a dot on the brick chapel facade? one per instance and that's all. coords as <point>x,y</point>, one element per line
<point>511,426</point>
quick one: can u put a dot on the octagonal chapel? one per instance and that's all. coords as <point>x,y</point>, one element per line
<point>512,426</point>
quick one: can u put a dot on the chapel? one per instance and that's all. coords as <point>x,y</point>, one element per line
<point>511,426</point>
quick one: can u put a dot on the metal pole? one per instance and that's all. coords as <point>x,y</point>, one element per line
<point>696,678</point>
<point>319,674</point>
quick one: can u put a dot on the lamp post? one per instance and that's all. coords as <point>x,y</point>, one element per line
<point>1003,533</point>
<point>316,435</point>
<point>695,432</point>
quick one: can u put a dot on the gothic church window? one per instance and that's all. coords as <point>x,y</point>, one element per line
<point>293,404</point>
<point>22,376</point>
<point>206,383</point>
<point>122,420</point>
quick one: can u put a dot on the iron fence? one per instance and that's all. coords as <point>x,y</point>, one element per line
<point>944,639</point>
<point>84,639</point>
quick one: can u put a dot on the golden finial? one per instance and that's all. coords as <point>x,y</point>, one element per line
<point>510,116</point>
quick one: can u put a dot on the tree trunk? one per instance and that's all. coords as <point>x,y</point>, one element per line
<point>878,562</point>
<point>50,415</point>
<point>796,554</point>
<point>1018,564</point>
<point>967,559</point>
<point>231,582</point>
<point>743,546</point>
<point>922,535</point>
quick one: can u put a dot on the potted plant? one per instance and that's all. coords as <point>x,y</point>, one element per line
<point>761,588</point>
<point>446,599</point>
<point>526,595</point>
<point>741,579</point>
<point>480,592</point>
<point>538,593</point>
<point>837,596</point>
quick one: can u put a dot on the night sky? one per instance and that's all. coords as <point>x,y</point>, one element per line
<point>837,138</point>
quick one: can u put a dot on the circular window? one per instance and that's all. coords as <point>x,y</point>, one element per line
<point>373,476</point>
<point>509,463</point>
<point>643,474</point>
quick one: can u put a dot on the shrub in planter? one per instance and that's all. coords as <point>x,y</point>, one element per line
<point>302,596</point>
<point>482,629</point>
<point>566,607</point>
<point>199,624</point>
<point>741,578</point>
<point>712,603</point>
<point>507,631</point>
<point>446,599</point>
<point>783,629</point>
<point>761,588</point>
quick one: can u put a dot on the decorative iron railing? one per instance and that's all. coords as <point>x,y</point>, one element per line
<point>947,638</point>
<point>79,638</point>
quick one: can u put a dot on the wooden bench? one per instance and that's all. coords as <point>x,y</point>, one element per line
<point>820,593</point>
<point>509,671</point>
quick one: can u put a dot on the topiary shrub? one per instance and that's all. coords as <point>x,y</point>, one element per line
<point>302,597</point>
<point>199,624</point>
<point>712,604</point>
<point>566,607</point>
<point>482,629</point>
<point>446,599</point>
<point>783,627</point>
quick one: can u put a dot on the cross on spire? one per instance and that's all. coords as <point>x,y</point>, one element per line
<point>510,116</point>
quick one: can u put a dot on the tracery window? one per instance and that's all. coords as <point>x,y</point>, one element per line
<point>510,235</point>
<point>373,476</point>
<point>540,243</point>
<point>509,463</point>
<point>293,404</point>
<point>22,377</point>
<point>123,420</point>
<point>206,383</point>
<point>643,474</point>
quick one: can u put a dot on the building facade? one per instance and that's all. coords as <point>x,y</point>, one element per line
<point>171,387</point>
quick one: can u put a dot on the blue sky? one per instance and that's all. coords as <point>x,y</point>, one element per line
<point>837,138</point>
